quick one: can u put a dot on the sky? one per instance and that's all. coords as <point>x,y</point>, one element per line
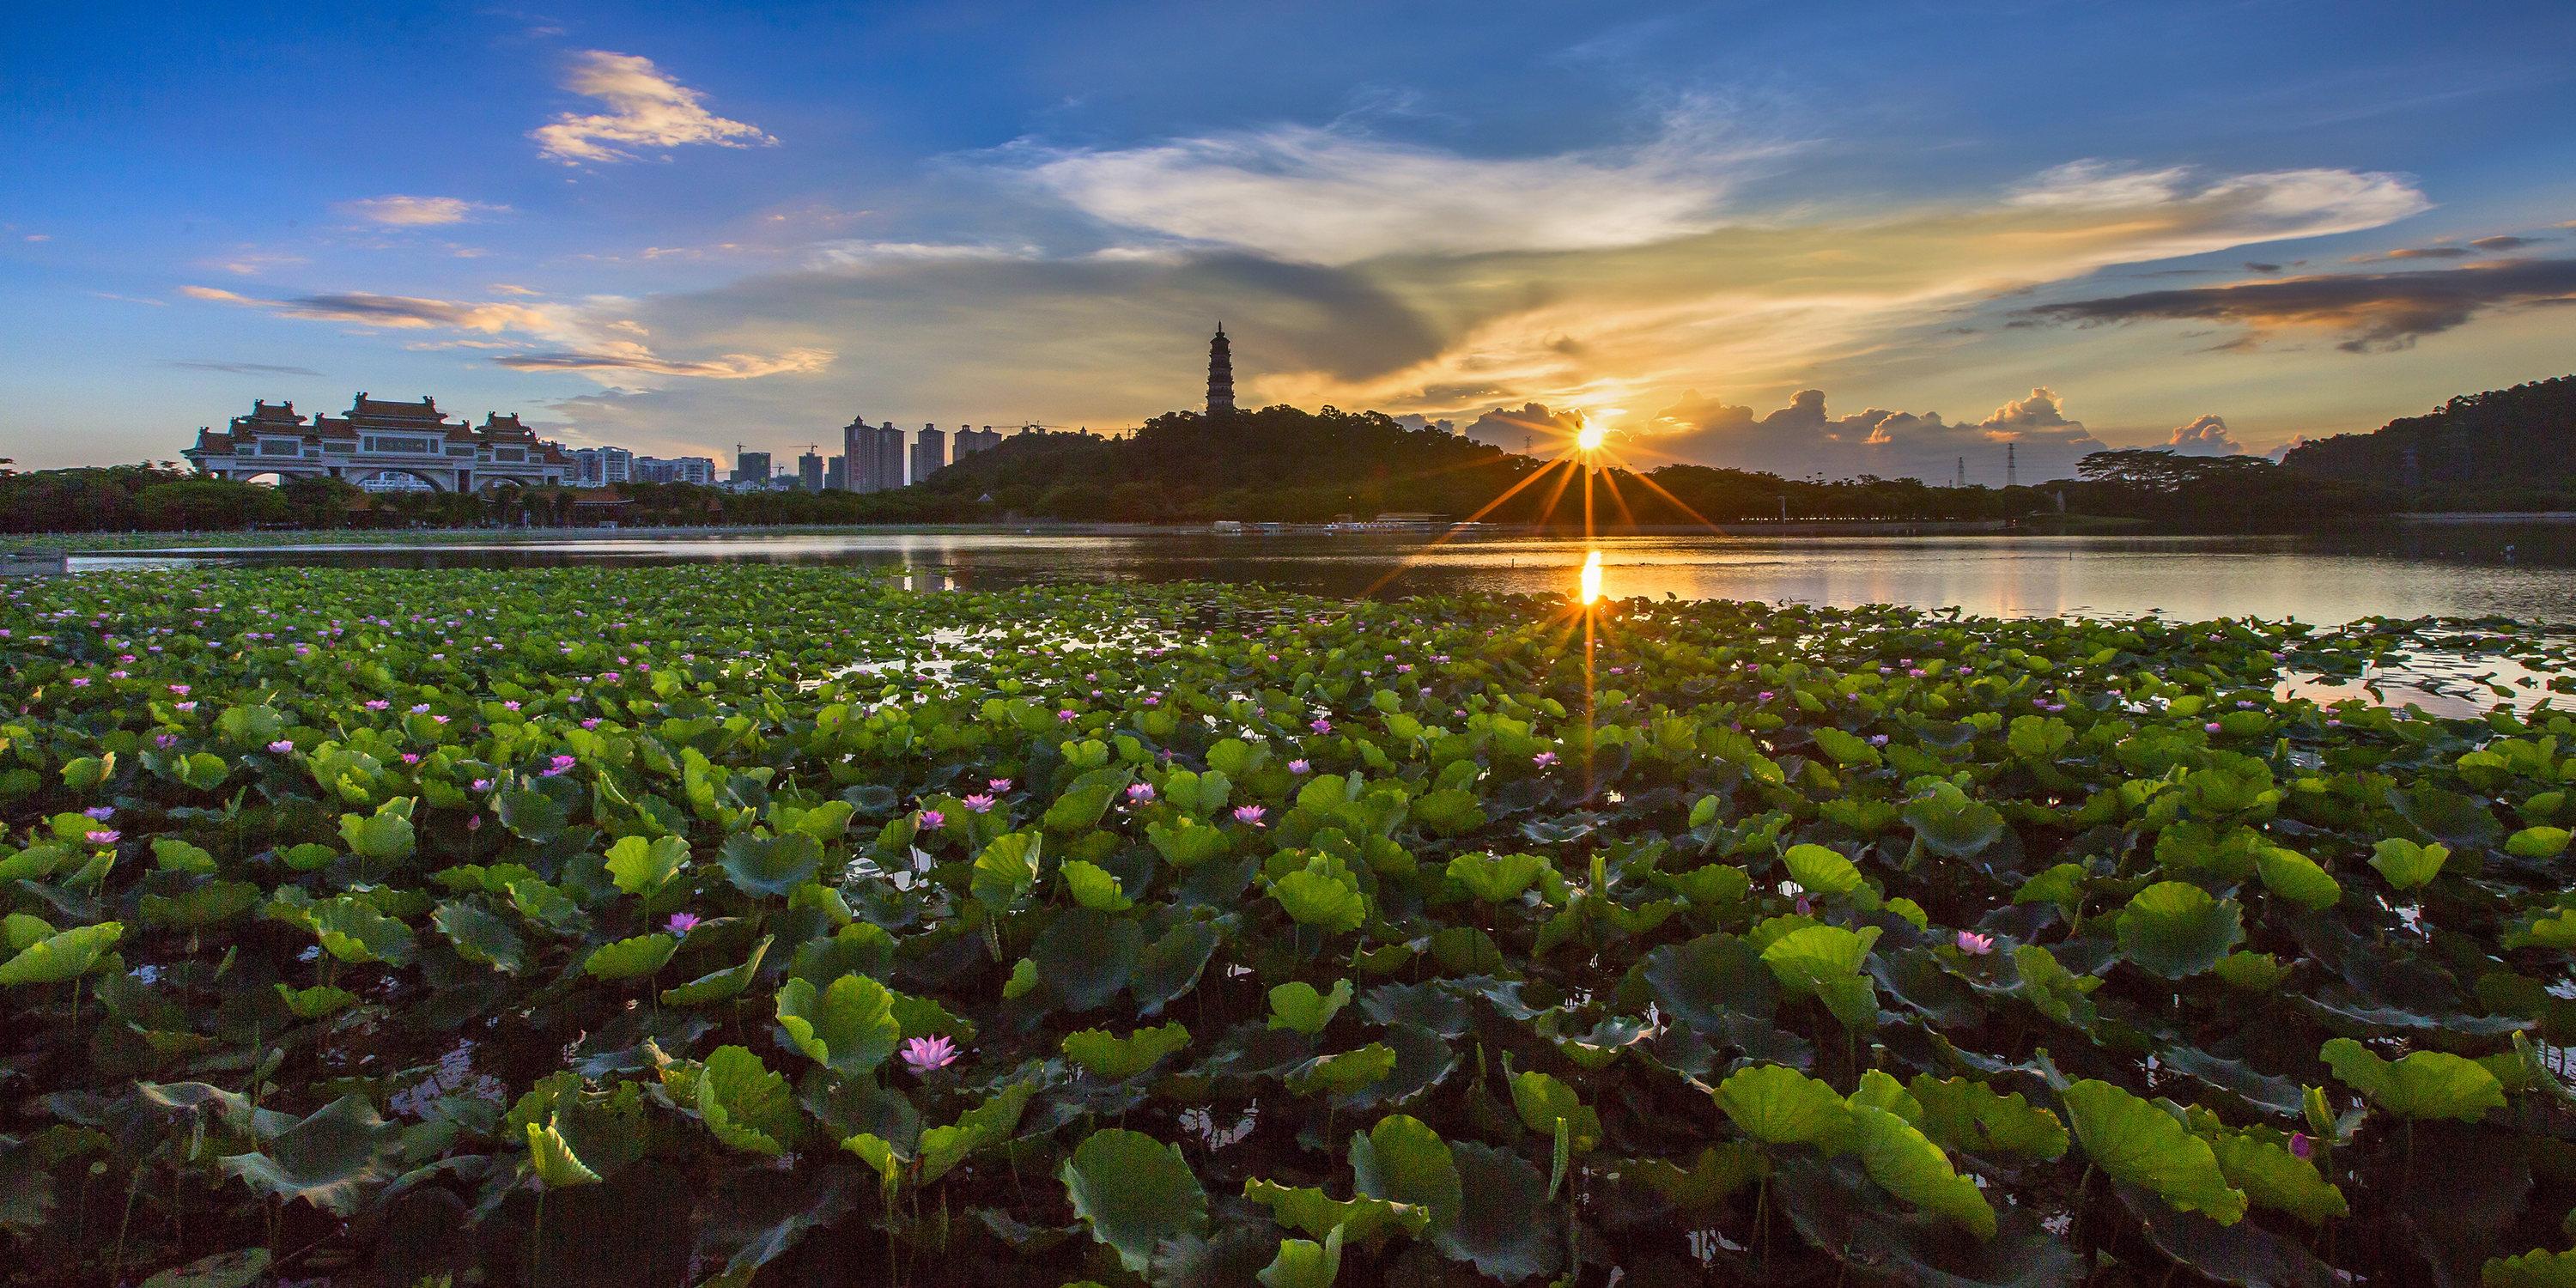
<point>1819,239</point>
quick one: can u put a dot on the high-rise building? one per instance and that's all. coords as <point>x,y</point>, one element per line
<point>699,470</point>
<point>836,474</point>
<point>971,441</point>
<point>929,452</point>
<point>751,468</point>
<point>876,455</point>
<point>856,440</point>
<point>1220,400</point>
<point>600,466</point>
<point>809,472</point>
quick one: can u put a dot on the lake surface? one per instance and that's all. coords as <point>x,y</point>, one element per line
<point>2521,570</point>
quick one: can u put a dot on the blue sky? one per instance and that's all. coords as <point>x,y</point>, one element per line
<point>1815,238</point>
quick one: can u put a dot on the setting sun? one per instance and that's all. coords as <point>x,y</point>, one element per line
<point>1590,437</point>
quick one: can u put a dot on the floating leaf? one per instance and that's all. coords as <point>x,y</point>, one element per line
<point>2423,1084</point>
<point>2138,1143</point>
<point>1134,1192</point>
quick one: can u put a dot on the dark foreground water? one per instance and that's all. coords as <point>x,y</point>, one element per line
<point>2526,571</point>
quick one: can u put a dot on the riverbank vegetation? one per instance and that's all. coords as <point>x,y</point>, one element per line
<point>654,925</point>
<point>1279,464</point>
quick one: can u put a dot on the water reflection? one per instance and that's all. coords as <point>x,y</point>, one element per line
<point>2526,571</point>
<point>1589,583</point>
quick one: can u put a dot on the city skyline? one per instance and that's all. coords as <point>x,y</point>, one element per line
<point>1878,239</point>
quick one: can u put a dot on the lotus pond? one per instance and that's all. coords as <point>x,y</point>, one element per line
<point>766,924</point>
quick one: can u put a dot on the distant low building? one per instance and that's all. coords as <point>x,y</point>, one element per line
<point>836,474</point>
<point>376,436</point>
<point>971,441</point>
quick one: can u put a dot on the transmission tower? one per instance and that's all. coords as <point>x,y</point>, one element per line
<point>2012,472</point>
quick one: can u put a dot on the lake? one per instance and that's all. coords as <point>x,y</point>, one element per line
<point>2521,570</point>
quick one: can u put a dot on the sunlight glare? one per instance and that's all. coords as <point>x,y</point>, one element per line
<point>1591,436</point>
<point>1591,586</point>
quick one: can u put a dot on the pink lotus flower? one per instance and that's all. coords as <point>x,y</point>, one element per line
<point>556,765</point>
<point>979,803</point>
<point>102,836</point>
<point>1299,767</point>
<point>1974,944</point>
<point>377,704</point>
<point>1067,715</point>
<point>1320,725</point>
<point>681,923</point>
<point>281,746</point>
<point>2211,727</point>
<point>1543,759</point>
<point>922,1055</point>
<point>1140,793</point>
<point>2303,1145</point>
<point>101,812</point>
<point>999,785</point>
<point>932,820</point>
<point>1249,815</point>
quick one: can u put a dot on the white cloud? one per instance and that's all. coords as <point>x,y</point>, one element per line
<point>1804,439</point>
<point>2206,435</point>
<point>417,212</point>
<point>646,109</point>
<point>1337,196</point>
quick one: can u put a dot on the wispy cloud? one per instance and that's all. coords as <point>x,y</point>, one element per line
<point>240,368</point>
<point>646,109</point>
<point>630,356</point>
<point>2372,312</point>
<point>418,212</point>
<point>2206,435</point>
<point>534,337</point>
<point>1334,195</point>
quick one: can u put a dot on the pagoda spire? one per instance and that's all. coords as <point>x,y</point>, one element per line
<point>1220,389</point>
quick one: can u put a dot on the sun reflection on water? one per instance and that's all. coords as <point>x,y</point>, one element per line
<point>1590,592</point>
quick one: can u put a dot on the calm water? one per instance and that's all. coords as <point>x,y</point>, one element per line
<point>2526,571</point>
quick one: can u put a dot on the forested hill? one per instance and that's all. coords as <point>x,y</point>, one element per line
<point>1278,463</point>
<point>2503,449</point>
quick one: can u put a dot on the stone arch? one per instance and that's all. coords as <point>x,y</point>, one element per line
<point>358,474</point>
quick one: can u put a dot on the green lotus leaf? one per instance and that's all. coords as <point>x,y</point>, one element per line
<point>2422,1084</point>
<point>1949,823</point>
<point>2407,864</point>
<point>1450,811</point>
<point>770,865</point>
<point>987,1124</point>
<point>1905,1163</point>
<point>1359,1219</point>
<point>723,985</point>
<point>481,937</point>
<point>1081,806</point>
<point>1116,1058</point>
<point>2537,843</point>
<point>1134,1192</point>
<point>68,955</point>
<point>354,932</point>
<point>1185,842</point>
<point>642,867</point>
<point>2252,972</point>
<point>385,836</point>
<point>848,1028</point>
<point>1778,1105</point>
<point>2296,877</point>
<point>1087,956</point>
<point>1845,749</point>
<point>2137,1142</point>
<point>1315,896</point>
<point>2553,929</point>
<point>1825,962</point>
<point>1543,1102</point>
<point>171,854</point>
<point>1094,888</point>
<point>316,1002</point>
<point>1005,869</point>
<point>2273,1177</point>
<point>556,1166</point>
<point>1720,1170</point>
<point>200,907</point>
<point>222,1270</point>
<point>532,814</point>
<point>1967,1116</point>
<point>1496,878</point>
<point>1304,1263</point>
<point>1493,1231</point>
<point>1345,1072</point>
<point>328,1158</point>
<point>2058,993</point>
<point>2176,929</point>
<point>1818,870</point>
<point>1403,1161</point>
<point>2537,1269</point>
<point>1296,1005</point>
<point>744,1104</point>
<point>630,958</point>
